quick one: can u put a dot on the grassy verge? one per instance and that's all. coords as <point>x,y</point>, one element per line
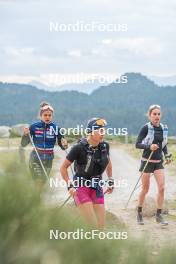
<point>25,226</point>
<point>9,142</point>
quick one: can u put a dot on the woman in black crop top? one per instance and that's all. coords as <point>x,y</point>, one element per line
<point>153,137</point>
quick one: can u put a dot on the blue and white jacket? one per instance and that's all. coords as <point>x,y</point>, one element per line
<point>44,137</point>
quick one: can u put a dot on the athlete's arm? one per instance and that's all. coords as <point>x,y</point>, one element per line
<point>109,174</point>
<point>63,144</point>
<point>109,169</point>
<point>142,134</point>
<point>110,179</point>
<point>64,172</point>
<point>61,141</point>
<point>25,140</point>
<point>70,158</point>
<point>165,151</point>
<point>168,157</point>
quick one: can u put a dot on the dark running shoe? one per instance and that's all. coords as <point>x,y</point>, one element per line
<point>140,218</point>
<point>160,220</point>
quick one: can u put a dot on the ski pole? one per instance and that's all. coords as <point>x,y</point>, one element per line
<point>41,163</point>
<point>68,198</point>
<point>64,203</point>
<point>165,163</point>
<point>32,142</point>
<point>138,180</point>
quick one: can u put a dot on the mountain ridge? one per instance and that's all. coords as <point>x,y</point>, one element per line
<point>123,105</point>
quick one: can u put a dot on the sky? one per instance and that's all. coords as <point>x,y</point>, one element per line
<point>30,49</point>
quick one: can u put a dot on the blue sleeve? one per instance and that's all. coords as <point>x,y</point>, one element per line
<point>32,130</point>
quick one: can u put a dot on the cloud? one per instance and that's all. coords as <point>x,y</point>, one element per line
<point>136,46</point>
<point>28,48</point>
<point>19,52</point>
<point>74,53</point>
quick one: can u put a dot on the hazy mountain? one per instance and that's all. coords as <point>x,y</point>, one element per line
<point>123,105</point>
<point>87,87</point>
<point>41,86</point>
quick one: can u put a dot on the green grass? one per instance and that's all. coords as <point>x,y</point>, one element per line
<point>25,224</point>
<point>9,142</point>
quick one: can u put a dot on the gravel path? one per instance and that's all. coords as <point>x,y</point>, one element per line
<point>125,171</point>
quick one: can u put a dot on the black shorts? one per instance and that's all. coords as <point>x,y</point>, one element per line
<point>36,168</point>
<point>151,167</point>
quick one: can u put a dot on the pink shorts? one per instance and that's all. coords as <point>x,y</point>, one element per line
<point>86,194</point>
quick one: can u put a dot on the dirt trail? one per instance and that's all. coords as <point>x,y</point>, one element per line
<point>125,170</point>
<point>125,166</point>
